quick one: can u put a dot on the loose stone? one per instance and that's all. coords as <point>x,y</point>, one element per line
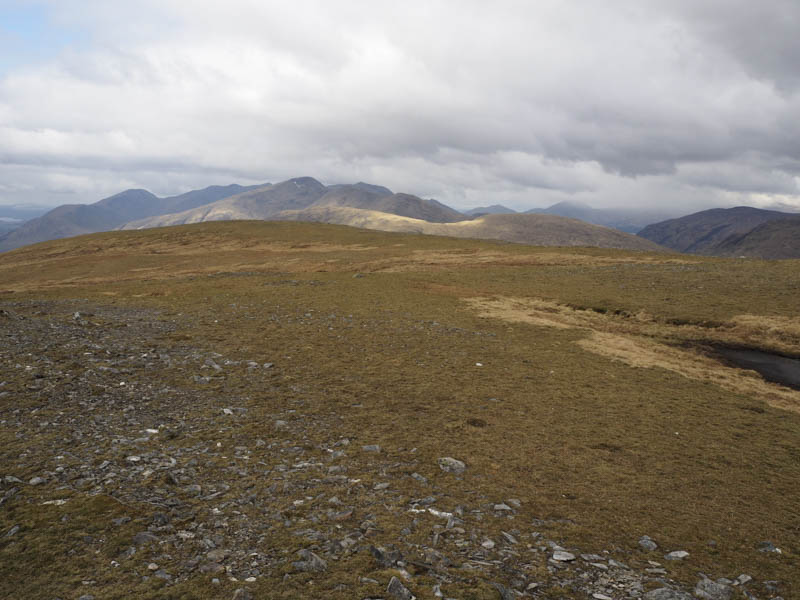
<point>666,594</point>
<point>707,589</point>
<point>647,544</point>
<point>562,556</point>
<point>397,590</point>
<point>452,465</point>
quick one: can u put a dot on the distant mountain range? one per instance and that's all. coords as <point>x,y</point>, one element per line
<point>306,199</point>
<point>630,220</point>
<point>740,231</point>
<point>269,201</point>
<point>723,232</point>
<point>494,209</point>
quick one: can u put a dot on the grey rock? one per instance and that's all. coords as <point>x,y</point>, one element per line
<point>505,593</point>
<point>217,555</point>
<point>211,567</point>
<point>281,425</point>
<point>36,481</point>
<point>647,544</point>
<point>509,538</point>
<point>562,556</point>
<point>666,594</point>
<point>144,537</point>
<point>386,558</point>
<point>449,464</point>
<point>371,448</point>
<point>592,557</point>
<point>86,597</point>
<point>676,555</point>
<point>193,490</point>
<point>311,562</point>
<point>397,590</point>
<point>769,547</point>
<point>242,594</point>
<point>618,565</point>
<point>13,531</point>
<point>706,589</point>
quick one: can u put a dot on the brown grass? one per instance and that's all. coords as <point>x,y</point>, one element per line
<point>591,406</point>
<point>641,341</point>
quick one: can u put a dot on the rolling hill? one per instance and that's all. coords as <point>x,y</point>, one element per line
<point>539,230</point>
<point>706,231</point>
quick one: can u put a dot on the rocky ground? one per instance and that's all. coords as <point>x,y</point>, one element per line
<point>210,490</point>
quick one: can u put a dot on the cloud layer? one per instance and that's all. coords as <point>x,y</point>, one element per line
<point>636,102</point>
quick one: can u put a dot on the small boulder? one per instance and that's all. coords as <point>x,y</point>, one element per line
<point>666,594</point>
<point>452,465</point>
<point>562,556</point>
<point>397,590</point>
<point>310,562</point>
<point>707,589</point>
<point>646,543</point>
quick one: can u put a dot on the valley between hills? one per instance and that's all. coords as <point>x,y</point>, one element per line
<point>260,409</point>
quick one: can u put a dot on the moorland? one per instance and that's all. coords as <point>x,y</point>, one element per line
<point>283,410</point>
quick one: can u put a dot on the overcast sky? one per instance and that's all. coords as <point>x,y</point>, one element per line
<point>674,104</point>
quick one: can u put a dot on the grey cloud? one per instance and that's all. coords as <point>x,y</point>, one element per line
<point>513,102</point>
<point>761,36</point>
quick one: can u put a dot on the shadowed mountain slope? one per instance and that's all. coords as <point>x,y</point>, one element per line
<point>775,239</point>
<point>628,220</point>
<point>494,209</point>
<point>703,232</point>
<point>76,219</point>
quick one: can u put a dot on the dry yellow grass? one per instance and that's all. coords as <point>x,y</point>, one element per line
<point>641,341</point>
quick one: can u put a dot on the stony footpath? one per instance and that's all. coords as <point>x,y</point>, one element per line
<point>216,485</point>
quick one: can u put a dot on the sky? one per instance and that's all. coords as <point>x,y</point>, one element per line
<point>670,105</point>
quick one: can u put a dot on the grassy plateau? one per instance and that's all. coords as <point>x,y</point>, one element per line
<point>581,382</point>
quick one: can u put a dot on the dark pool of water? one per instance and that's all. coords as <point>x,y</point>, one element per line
<point>772,367</point>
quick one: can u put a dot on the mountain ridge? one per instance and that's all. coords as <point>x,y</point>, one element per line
<point>109,213</point>
<point>707,232</point>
